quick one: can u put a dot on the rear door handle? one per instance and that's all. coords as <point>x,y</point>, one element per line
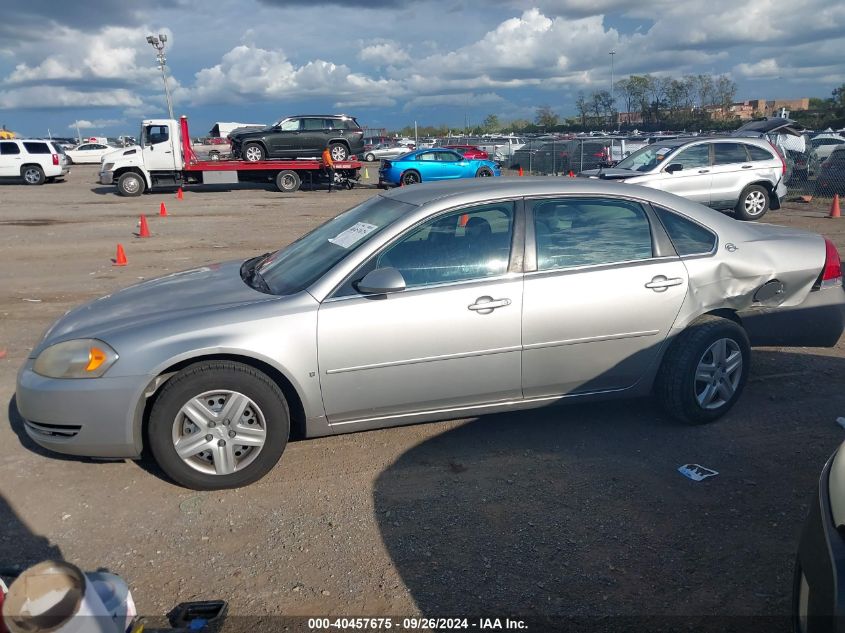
<point>703,171</point>
<point>747,166</point>
<point>660,283</point>
<point>486,304</point>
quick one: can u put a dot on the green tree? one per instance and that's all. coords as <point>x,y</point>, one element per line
<point>491,123</point>
<point>546,117</point>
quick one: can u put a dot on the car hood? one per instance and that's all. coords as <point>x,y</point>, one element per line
<point>112,156</point>
<point>242,133</point>
<point>611,173</point>
<point>183,294</point>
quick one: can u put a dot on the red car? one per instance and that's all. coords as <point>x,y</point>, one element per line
<point>469,151</point>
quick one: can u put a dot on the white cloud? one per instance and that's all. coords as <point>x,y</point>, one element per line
<point>384,53</point>
<point>764,69</point>
<point>85,124</point>
<point>63,97</point>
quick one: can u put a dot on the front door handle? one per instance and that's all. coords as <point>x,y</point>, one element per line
<point>660,283</point>
<point>703,171</point>
<point>486,304</point>
<point>747,166</point>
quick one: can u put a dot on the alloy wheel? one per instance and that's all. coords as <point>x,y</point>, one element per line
<point>718,374</point>
<point>755,203</point>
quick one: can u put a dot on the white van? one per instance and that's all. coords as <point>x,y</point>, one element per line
<point>36,161</point>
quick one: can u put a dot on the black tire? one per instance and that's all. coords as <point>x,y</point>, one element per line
<point>676,385</point>
<point>32,174</point>
<point>753,203</point>
<point>484,172</point>
<point>370,158</point>
<point>339,152</point>
<point>253,153</point>
<point>131,184</point>
<point>410,177</point>
<point>205,377</point>
<point>288,181</point>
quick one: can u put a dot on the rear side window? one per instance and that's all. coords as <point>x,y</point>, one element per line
<point>37,148</point>
<point>589,232</point>
<point>9,148</point>
<point>758,153</point>
<point>314,124</point>
<point>729,153</point>
<point>688,237</point>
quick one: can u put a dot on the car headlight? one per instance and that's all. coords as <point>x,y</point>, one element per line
<point>107,166</point>
<point>82,358</point>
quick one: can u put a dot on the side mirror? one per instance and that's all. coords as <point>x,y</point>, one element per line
<point>671,169</point>
<point>381,281</point>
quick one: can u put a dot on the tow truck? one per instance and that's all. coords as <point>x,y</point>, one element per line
<point>164,158</point>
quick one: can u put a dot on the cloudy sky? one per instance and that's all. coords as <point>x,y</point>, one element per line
<point>390,62</point>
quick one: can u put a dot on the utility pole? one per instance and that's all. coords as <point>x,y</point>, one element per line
<point>158,44</point>
<point>612,99</point>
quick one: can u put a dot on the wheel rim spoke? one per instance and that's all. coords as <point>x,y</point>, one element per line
<point>249,436</point>
<point>705,372</point>
<point>224,459</point>
<point>198,413</point>
<point>234,407</point>
<point>720,372</point>
<point>725,389</point>
<point>191,445</point>
<point>707,395</point>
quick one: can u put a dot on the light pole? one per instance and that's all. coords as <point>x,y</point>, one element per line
<point>612,100</point>
<point>158,44</point>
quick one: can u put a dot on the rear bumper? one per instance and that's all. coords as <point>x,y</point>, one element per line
<point>818,322</point>
<point>821,565</point>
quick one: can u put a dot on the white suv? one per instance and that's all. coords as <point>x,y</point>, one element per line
<point>742,174</point>
<point>36,161</point>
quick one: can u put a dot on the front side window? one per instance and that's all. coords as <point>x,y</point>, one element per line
<point>572,232</point>
<point>156,134</point>
<point>291,125</point>
<point>693,157</point>
<point>687,237</point>
<point>646,158</point>
<point>729,153</point>
<point>297,266</point>
<point>469,244</point>
<point>9,148</point>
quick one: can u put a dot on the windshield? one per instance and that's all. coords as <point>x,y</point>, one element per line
<point>297,266</point>
<point>647,158</point>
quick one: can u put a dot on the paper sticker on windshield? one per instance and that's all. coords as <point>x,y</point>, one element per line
<point>351,235</point>
<point>664,150</point>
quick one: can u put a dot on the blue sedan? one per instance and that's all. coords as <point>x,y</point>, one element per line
<point>425,165</point>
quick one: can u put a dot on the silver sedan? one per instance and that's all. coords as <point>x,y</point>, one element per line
<point>431,302</point>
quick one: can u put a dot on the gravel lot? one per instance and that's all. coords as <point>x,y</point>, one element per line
<point>575,511</point>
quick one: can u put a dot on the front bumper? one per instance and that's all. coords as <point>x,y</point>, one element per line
<point>92,417</point>
<point>821,565</point>
<point>106,178</point>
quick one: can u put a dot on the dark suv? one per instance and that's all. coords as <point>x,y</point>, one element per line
<point>300,137</point>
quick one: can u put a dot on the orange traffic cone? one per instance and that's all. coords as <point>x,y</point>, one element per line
<point>162,210</point>
<point>145,229</point>
<point>834,207</point>
<point>179,194</point>
<point>571,174</point>
<point>521,173</point>
<point>120,258</point>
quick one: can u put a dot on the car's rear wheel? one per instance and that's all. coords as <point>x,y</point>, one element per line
<point>130,184</point>
<point>32,175</point>
<point>218,424</point>
<point>410,178</point>
<point>339,151</point>
<point>484,172</point>
<point>704,370</point>
<point>253,153</point>
<point>753,203</point>
<point>288,181</point>
<point>370,158</point>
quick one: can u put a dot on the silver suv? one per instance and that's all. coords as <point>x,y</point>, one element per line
<point>742,174</point>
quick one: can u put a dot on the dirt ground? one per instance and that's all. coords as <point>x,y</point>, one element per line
<point>575,511</point>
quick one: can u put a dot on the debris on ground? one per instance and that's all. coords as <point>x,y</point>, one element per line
<point>696,472</point>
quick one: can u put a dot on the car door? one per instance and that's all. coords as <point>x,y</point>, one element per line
<point>687,173</point>
<point>314,136</point>
<point>158,148</point>
<point>284,141</point>
<point>451,339</point>
<point>10,159</point>
<point>450,165</point>
<point>731,170</point>
<point>601,293</point>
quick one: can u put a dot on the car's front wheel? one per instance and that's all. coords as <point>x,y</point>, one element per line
<point>253,153</point>
<point>484,172</point>
<point>370,158</point>
<point>704,370</point>
<point>130,184</point>
<point>753,203</point>
<point>218,424</point>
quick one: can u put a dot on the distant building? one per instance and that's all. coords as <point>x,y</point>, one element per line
<point>742,110</point>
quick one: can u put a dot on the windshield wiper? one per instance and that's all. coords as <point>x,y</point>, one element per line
<point>250,274</point>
